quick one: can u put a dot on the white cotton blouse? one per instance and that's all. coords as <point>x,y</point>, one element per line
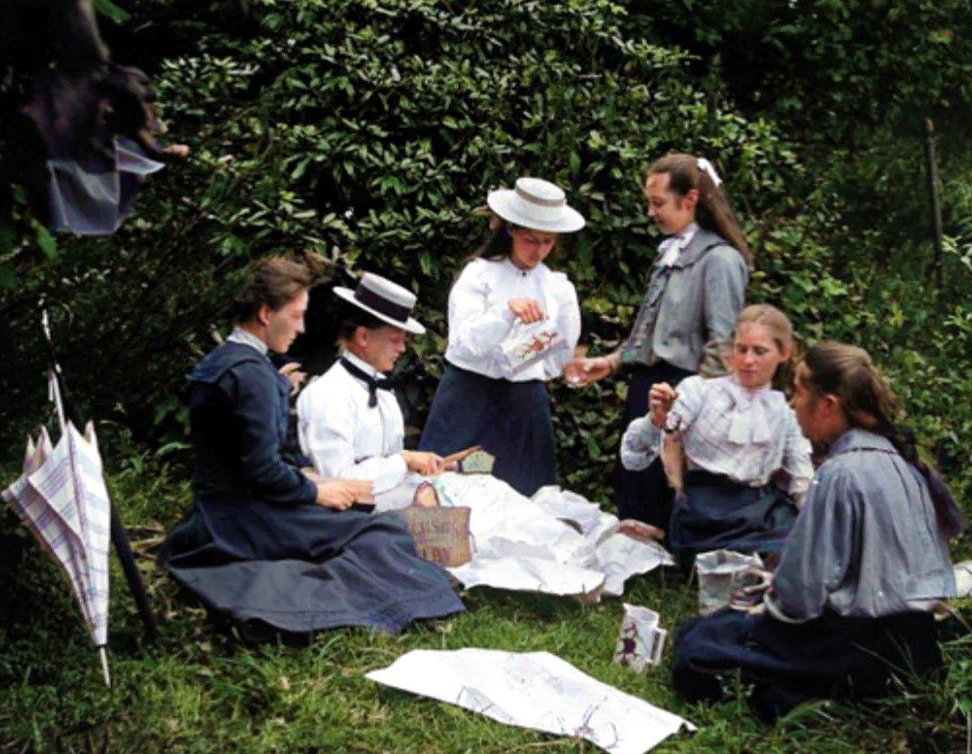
<point>345,437</point>
<point>747,435</point>
<point>480,320</point>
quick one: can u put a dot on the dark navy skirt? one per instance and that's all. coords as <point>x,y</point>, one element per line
<point>787,664</point>
<point>645,495</point>
<point>511,420</point>
<point>719,513</point>
<point>304,568</point>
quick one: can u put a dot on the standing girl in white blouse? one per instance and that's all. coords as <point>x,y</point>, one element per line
<point>747,460</point>
<point>503,290</point>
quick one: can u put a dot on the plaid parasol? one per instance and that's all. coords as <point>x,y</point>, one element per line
<point>62,498</point>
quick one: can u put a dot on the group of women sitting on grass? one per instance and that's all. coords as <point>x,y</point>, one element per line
<point>712,453</point>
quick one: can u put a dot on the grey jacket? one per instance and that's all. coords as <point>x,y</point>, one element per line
<point>867,540</point>
<point>693,302</point>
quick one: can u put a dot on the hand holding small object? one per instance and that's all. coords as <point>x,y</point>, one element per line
<point>581,372</point>
<point>527,310</point>
<point>748,596</point>
<point>341,494</point>
<point>291,370</point>
<point>660,400</point>
<point>424,463</point>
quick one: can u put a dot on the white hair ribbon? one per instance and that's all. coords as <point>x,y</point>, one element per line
<point>705,166</point>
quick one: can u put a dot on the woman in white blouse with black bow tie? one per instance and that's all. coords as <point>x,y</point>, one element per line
<point>491,394</point>
<point>747,460</point>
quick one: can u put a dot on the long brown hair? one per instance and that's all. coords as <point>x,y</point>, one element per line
<point>869,403</point>
<point>713,211</point>
<point>276,281</point>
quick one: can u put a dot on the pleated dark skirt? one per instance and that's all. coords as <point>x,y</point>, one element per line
<point>719,513</point>
<point>511,420</point>
<point>828,657</point>
<point>306,568</point>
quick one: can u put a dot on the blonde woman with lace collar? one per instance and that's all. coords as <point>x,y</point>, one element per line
<point>747,462</point>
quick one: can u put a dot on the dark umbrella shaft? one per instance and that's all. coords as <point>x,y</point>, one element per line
<point>123,548</point>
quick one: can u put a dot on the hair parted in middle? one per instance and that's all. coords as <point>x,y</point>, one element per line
<point>499,244</point>
<point>781,329</point>
<point>713,211</point>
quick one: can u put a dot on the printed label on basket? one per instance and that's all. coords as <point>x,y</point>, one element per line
<point>441,535</point>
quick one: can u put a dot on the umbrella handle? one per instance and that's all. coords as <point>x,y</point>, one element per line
<point>103,653</point>
<point>54,394</point>
<point>53,386</point>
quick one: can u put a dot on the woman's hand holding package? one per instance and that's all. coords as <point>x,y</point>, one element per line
<point>527,310</point>
<point>341,494</point>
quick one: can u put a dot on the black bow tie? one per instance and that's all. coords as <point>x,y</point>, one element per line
<point>373,385</point>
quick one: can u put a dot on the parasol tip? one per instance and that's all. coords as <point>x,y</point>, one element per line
<point>103,653</point>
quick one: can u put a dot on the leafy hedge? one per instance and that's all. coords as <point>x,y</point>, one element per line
<point>371,131</point>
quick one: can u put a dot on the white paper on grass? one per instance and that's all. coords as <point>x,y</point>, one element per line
<point>533,690</point>
<point>555,543</point>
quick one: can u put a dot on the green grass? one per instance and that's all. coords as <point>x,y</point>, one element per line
<point>197,691</point>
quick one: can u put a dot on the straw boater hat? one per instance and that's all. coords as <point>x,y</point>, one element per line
<point>537,204</point>
<point>384,299</point>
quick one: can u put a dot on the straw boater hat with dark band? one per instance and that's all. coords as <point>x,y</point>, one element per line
<point>536,204</point>
<point>383,299</point>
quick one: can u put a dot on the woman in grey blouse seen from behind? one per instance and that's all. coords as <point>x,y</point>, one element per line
<point>696,288</point>
<point>847,608</point>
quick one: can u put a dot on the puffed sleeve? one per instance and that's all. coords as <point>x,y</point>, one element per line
<point>687,406</point>
<point>568,323</point>
<point>723,291</point>
<point>327,426</point>
<point>641,442</point>
<point>819,552</point>
<point>797,461</point>
<point>253,390</point>
<point>475,327</point>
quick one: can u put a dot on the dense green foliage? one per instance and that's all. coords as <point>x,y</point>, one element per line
<point>370,131</point>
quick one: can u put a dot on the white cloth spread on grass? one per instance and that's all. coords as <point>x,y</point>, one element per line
<point>555,543</point>
<point>534,690</point>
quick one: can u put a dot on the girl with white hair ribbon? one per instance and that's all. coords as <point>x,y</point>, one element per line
<point>513,323</point>
<point>695,291</point>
